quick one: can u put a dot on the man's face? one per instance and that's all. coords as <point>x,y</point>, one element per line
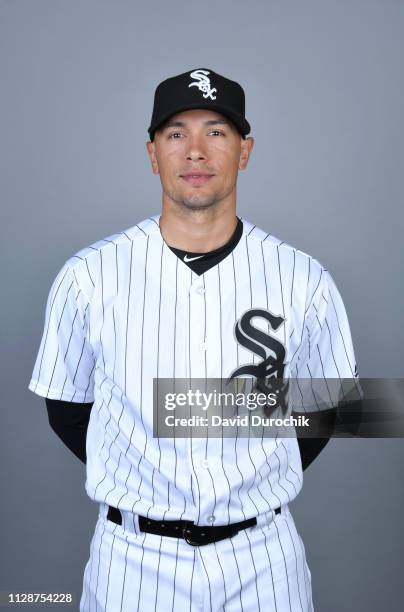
<point>198,154</point>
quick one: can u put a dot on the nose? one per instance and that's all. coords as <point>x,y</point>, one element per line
<point>196,149</point>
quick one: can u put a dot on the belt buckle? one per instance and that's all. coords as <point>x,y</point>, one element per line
<point>187,534</point>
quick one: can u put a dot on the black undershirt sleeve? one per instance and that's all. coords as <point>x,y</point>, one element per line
<point>69,420</point>
<point>310,448</point>
<point>343,420</point>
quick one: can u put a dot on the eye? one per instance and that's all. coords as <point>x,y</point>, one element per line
<point>217,132</point>
<point>174,134</point>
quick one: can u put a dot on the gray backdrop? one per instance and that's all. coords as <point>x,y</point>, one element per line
<point>324,85</point>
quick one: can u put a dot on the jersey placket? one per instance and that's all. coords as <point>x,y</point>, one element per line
<point>201,359</point>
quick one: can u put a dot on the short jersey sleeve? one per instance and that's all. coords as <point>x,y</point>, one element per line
<point>64,366</point>
<point>325,364</point>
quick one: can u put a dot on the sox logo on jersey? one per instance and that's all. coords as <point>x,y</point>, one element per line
<point>271,368</point>
<point>255,340</point>
<point>126,310</point>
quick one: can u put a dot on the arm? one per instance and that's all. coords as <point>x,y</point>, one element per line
<point>311,447</point>
<point>69,420</point>
<point>344,420</point>
<point>328,391</point>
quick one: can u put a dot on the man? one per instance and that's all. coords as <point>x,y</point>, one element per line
<point>196,292</point>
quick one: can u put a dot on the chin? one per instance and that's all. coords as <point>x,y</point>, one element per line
<point>198,203</point>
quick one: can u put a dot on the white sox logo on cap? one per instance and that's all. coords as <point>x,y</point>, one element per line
<point>203,83</point>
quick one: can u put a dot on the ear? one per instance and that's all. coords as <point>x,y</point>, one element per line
<point>151,149</point>
<point>246,148</point>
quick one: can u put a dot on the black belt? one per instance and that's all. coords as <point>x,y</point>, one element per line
<point>196,535</point>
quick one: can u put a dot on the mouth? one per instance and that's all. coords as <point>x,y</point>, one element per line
<point>197,178</point>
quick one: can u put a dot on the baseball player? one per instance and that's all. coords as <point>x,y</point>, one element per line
<point>193,292</point>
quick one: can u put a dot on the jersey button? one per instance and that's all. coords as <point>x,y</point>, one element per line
<point>203,346</point>
<point>211,518</point>
<point>200,290</point>
<point>205,463</point>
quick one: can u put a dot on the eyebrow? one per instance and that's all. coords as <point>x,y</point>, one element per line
<point>181,124</point>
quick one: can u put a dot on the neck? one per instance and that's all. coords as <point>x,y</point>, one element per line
<point>198,231</point>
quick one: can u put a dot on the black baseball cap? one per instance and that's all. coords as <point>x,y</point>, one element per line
<point>199,88</point>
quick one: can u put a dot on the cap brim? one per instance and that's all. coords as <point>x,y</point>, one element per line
<point>242,124</point>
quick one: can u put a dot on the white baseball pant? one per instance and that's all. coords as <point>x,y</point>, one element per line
<point>261,568</point>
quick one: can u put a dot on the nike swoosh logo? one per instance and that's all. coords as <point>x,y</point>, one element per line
<point>186,258</point>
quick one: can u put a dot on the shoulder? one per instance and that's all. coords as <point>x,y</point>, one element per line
<point>88,263</point>
<point>131,234</point>
<point>288,256</point>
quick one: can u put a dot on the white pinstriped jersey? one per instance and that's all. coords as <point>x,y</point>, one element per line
<point>126,310</point>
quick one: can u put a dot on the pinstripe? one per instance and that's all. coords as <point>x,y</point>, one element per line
<point>98,571</point>
<point>120,455</point>
<point>249,278</point>
<point>235,306</point>
<point>71,333</point>
<point>306,584</point>
<point>125,565</point>
<point>72,325</point>
<point>70,338</point>
<point>238,572</point>
<point>284,561</point>
<point>308,276</point>
<point>241,480</point>
<point>305,313</point>
<point>281,290</point>
<point>47,325</point>
<point>109,571</point>
<point>297,568</point>
<point>103,444</point>
<point>114,324</point>
<point>175,317</point>
<point>220,323</point>
<point>288,467</point>
<point>174,376</point>
<point>307,595</point>
<point>331,348</point>
<point>175,574</point>
<point>322,369</point>
<point>221,376</point>
<point>270,569</point>
<point>312,388</point>
<point>103,308</point>
<point>198,505</point>
<point>192,581</point>
<point>208,581</point>
<point>87,576</point>
<point>293,277</point>
<point>255,570</point>
<point>157,577</point>
<point>89,274</point>
<point>127,316</point>
<point>316,288</point>
<point>342,337</point>
<point>157,376</point>
<point>141,380</point>
<point>204,323</point>
<point>221,571</point>
<point>279,474</point>
<point>141,573</point>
